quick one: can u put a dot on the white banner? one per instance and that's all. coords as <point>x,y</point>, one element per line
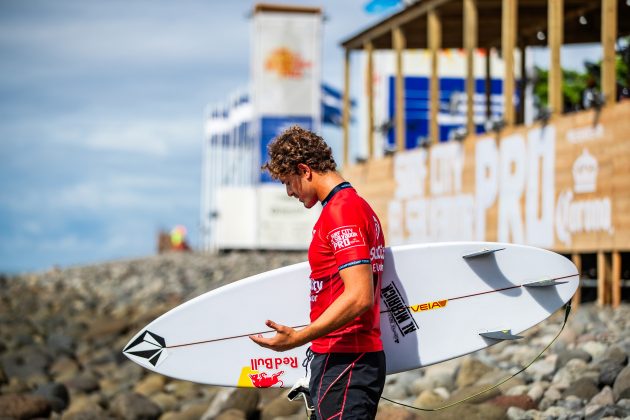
<point>286,64</point>
<point>283,222</point>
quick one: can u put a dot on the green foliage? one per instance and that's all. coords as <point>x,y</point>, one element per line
<point>574,83</point>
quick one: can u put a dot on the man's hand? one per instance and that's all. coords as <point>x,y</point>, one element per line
<point>286,338</point>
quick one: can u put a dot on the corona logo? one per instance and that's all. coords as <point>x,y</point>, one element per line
<point>286,63</point>
<point>585,173</point>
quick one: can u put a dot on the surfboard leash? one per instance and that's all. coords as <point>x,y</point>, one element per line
<point>567,310</point>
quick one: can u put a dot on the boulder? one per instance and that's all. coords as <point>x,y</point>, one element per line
<point>465,392</point>
<point>583,388</point>
<point>621,388</point>
<point>604,397</point>
<point>21,406</point>
<point>388,412</point>
<point>281,406</point>
<point>429,399</point>
<point>566,355</point>
<point>84,408</point>
<point>151,384</point>
<point>521,401</point>
<point>132,406</point>
<point>232,414</point>
<point>470,371</point>
<point>56,394</point>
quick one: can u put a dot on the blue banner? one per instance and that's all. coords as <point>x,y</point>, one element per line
<point>270,128</point>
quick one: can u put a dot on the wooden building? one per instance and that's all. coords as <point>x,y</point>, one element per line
<point>562,183</point>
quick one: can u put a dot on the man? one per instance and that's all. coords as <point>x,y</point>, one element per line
<point>346,258</point>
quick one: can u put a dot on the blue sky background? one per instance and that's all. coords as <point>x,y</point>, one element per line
<point>101,118</point>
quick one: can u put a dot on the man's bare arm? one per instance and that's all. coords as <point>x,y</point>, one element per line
<point>357,297</point>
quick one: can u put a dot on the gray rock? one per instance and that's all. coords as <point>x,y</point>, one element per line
<point>575,369</point>
<point>572,403</point>
<point>595,348</point>
<point>616,354</point>
<point>56,394</point>
<point>536,392</point>
<point>543,369</point>
<point>131,406</point>
<point>515,413</point>
<point>245,399</point>
<point>621,388</point>
<point>608,411</point>
<point>565,356</point>
<point>60,344</point>
<point>84,382</point>
<point>608,372</point>
<point>583,388</point>
<point>558,413</point>
<point>27,362</point>
<point>604,397</point>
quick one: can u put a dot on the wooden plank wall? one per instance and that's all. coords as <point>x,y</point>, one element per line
<point>579,139</point>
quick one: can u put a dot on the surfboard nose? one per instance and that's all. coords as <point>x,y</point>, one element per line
<point>146,348</point>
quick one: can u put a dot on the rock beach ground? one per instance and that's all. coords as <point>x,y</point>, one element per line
<point>61,333</point>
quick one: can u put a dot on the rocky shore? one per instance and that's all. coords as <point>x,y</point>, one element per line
<point>61,335</point>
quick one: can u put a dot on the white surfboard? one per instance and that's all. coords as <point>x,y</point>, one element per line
<point>438,301</point>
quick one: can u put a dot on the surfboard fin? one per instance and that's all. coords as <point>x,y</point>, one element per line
<point>544,283</point>
<point>482,253</point>
<point>500,335</point>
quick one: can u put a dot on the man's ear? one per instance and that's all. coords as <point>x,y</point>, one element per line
<point>305,170</point>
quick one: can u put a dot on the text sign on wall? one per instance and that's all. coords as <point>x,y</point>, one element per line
<point>562,186</point>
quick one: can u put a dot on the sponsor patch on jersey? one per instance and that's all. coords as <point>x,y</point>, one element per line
<point>346,237</point>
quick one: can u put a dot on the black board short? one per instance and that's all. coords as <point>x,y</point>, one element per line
<point>346,385</point>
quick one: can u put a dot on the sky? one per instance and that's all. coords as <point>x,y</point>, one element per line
<point>101,118</point>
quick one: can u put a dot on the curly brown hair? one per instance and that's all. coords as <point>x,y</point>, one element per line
<point>294,146</point>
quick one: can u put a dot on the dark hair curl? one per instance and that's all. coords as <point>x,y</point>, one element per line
<point>294,146</point>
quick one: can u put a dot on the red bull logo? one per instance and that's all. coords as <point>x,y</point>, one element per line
<point>261,380</point>
<point>274,362</point>
<point>286,63</point>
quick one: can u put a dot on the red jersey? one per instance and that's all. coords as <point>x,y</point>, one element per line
<point>347,233</point>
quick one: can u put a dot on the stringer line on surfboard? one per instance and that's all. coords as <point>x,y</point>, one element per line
<point>414,308</point>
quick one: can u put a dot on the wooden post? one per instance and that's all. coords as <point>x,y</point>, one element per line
<point>399,45</point>
<point>488,83</point>
<point>521,104</point>
<point>434,36</point>
<point>616,279</point>
<point>555,25</point>
<point>470,44</point>
<point>603,276</point>
<point>346,109</point>
<point>369,50</point>
<point>577,298</point>
<point>609,36</point>
<point>509,23</point>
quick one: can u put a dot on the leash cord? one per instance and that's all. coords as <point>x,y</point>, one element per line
<point>566,316</point>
